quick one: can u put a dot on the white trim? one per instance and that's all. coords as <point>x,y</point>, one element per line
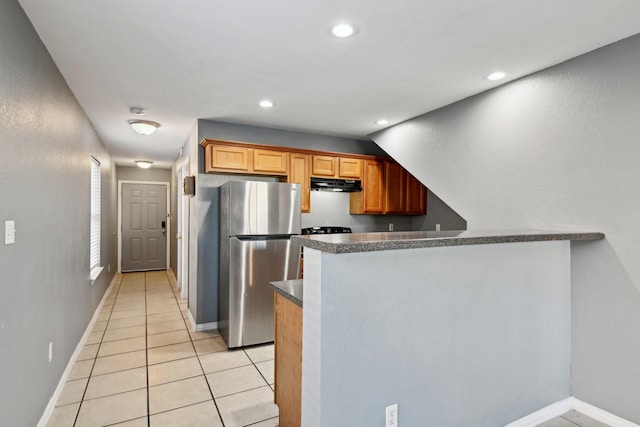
<point>93,274</point>
<point>206,326</point>
<point>168,217</point>
<point>544,414</point>
<point>202,326</point>
<point>556,409</point>
<point>601,415</point>
<point>185,202</point>
<point>72,360</point>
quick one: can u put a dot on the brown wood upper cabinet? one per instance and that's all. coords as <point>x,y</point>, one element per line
<point>233,159</point>
<point>387,188</point>
<point>416,196</point>
<point>336,167</point>
<point>371,199</point>
<point>404,194</point>
<point>395,178</point>
<point>270,161</point>
<point>223,158</point>
<point>299,173</point>
<point>349,168</point>
<point>324,166</point>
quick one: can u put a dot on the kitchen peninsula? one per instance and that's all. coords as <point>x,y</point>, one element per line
<point>457,328</point>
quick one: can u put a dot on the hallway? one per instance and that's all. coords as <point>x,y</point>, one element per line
<point>143,366</point>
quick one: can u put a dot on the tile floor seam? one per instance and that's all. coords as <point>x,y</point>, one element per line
<point>112,394</point>
<point>146,352</point>
<point>175,381</point>
<point>258,422</point>
<point>199,361</point>
<point>93,365</point>
<point>241,391</point>
<point>228,369</point>
<point>180,407</point>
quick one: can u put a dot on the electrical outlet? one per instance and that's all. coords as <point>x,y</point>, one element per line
<point>437,227</point>
<point>50,351</point>
<point>392,415</point>
<point>390,226</point>
<point>9,232</point>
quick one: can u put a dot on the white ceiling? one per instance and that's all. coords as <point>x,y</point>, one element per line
<point>188,59</point>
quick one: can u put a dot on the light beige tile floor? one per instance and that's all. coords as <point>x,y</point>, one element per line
<point>143,366</point>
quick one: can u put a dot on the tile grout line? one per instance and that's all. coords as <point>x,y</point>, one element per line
<point>146,350</point>
<point>198,357</point>
<point>86,387</point>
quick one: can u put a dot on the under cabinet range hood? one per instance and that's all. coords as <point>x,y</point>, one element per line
<point>335,184</point>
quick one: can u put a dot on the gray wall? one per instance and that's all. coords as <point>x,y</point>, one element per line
<point>45,146</point>
<point>456,336</point>
<point>127,173</point>
<point>557,149</point>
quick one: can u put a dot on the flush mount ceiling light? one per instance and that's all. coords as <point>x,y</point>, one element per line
<point>495,76</point>
<point>343,30</point>
<point>144,164</point>
<point>144,127</point>
<point>382,122</point>
<point>265,103</point>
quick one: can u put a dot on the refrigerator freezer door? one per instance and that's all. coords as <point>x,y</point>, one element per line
<point>257,208</point>
<point>253,264</point>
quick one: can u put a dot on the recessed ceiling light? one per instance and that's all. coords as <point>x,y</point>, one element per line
<point>496,75</point>
<point>343,30</point>
<point>144,127</point>
<point>382,122</point>
<point>265,103</point>
<point>144,164</point>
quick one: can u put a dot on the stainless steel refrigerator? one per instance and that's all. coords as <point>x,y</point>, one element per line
<point>257,220</point>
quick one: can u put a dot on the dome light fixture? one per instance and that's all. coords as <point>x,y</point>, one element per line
<point>265,103</point>
<point>343,30</point>
<point>382,122</point>
<point>144,127</point>
<point>495,76</point>
<point>144,164</point>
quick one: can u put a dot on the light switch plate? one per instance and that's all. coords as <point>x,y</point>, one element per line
<point>9,232</point>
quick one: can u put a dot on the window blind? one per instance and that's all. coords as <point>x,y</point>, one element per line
<point>94,246</point>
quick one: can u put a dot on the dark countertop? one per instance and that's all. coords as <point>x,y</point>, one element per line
<point>371,242</point>
<point>290,289</point>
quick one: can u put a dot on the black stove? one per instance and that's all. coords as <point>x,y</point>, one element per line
<point>326,230</point>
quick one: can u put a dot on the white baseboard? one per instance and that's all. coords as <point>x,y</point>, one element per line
<point>544,414</point>
<point>72,360</point>
<point>202,326</point>
<point>601,415</point>
<point>556,409</point>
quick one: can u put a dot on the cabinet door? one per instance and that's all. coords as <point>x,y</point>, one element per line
<point>288,360</point>
<point>371,199</point>
<point>416,196</point>
<point>299,174</point>
<point>394,188</point>
<point>270,161</point>
<point>227,158</point>
<point>324,166</point>
<point>349,168</point>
